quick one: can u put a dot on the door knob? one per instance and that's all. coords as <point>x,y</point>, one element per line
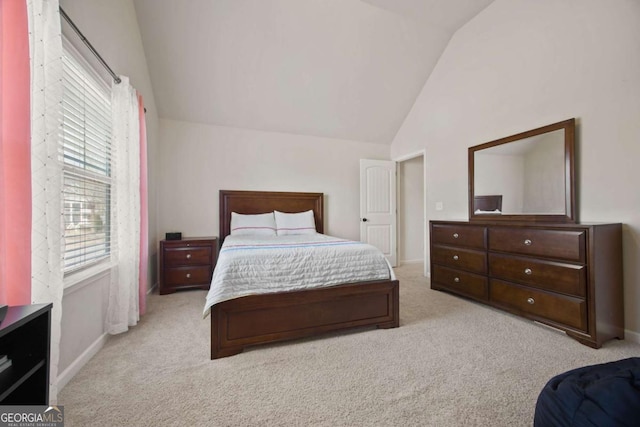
<point>364,220</point>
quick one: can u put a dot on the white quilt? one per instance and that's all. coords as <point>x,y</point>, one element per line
<point>249,265</point>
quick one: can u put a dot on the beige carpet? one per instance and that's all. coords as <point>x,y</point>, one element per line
<point>451,363</point>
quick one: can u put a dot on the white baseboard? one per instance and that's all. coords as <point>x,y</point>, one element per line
<point>411,261</point>
<point>82,360</point>
<point>632,336</point>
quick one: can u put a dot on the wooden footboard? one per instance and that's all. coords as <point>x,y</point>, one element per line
<point>259,319</point>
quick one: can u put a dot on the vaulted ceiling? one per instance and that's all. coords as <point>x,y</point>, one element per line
<point>345,69</point>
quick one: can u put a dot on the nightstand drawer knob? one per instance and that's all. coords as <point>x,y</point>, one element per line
<point>456,235</point>
<point>528,271</point>
<point>531,300</point>
<point>188,275</point>
<point>456,279</point>
<point>455,257</point>
<point>188,256</point>
<point>527,242</point>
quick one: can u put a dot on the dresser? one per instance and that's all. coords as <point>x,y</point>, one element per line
<point>568,276</point>
<point>25,337</point>
<point>187,263</point>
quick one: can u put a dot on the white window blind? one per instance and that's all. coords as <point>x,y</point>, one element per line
<point>86,153</point>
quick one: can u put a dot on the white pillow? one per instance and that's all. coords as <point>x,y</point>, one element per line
<point>257,225</point>
<point>295,223</point>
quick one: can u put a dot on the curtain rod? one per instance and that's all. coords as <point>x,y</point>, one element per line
<point>90,46</point>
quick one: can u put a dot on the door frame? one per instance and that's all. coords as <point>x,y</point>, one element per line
<point>421,153</point>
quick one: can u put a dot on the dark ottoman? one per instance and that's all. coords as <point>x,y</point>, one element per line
<point>598,395</point>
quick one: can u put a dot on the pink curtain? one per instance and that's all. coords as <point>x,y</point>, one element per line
<point>15,155</point>
<point>144,220</point>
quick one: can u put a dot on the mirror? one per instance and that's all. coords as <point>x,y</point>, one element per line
<point>524,177</point>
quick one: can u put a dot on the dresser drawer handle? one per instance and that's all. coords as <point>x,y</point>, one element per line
<point>527,242</point>
<point>530,300</point>
<point>188,275</point>
<point>188,256</point>
<point>456,279</point>
<point>455,257</point>
<point>528,271</point>
<point>456,235</point>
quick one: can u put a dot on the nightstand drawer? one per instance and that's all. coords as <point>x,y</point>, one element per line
<point>187,263</point>
<point>194,255</point>
<point>187,276</point>
<point>564,310</point>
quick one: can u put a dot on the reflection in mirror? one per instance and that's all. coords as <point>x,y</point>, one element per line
<point>528,174</point>
<point>524,177</point>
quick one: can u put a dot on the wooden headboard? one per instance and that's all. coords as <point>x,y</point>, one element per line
<point>255,202</point>
<point>487,203</point>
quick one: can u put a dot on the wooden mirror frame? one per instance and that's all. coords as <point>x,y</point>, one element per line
<point>569,176</point>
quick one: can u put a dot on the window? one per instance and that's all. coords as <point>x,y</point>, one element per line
<point>86,154</point>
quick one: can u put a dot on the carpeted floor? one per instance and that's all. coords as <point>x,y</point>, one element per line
<point>451,363</point>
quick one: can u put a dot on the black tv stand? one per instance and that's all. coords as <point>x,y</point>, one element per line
<point>25,339</point>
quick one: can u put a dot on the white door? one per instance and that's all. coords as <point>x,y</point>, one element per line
<point>378,206</point>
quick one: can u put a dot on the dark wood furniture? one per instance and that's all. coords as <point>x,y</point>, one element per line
<point>258,319</point>
<point>187,263</point>
<point>556,175</point>
<point>25,338</point>
<point>568,276</point>
<point>487,203</point>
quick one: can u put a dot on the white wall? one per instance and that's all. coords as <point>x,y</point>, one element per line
<point>198,160</point>
<point>501,174</point>
<point>111,27</point>
<point>521,64</point>
<point>544,178</point>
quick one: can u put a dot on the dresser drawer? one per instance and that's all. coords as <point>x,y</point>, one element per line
<point>463,259</point>
<point>187,276</point>
<point>564,310</point>
<point>459,235</point>
<point>561,244</point>
<point>462,282</point>
<point>554,276</point>
<point>194,255</point>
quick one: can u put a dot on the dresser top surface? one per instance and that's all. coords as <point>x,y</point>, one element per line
<point>524,224</point>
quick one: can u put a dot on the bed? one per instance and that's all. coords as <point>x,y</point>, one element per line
<point>263,318</point>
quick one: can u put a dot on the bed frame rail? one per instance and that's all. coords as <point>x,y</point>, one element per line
<point>253,320</point>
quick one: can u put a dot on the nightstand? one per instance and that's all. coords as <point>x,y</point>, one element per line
<point>187,263</point>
